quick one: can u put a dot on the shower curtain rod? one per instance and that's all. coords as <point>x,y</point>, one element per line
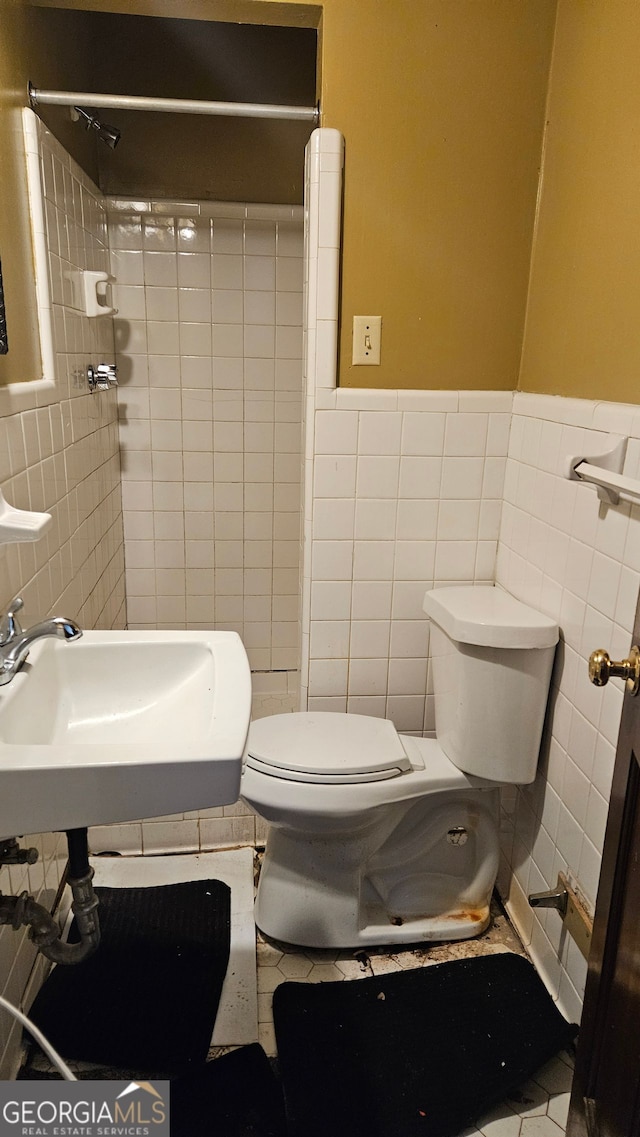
<point>176,106</point>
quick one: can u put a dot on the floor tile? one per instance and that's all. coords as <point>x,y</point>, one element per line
<point>559,1109</point>
<point>540,1127</point>
<point>500,1122</point>
<point>555,1077</point>
<point>537,1109</point>
<point>529,1100</point>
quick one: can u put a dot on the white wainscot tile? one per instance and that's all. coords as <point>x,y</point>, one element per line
<point>408,597</point>
<point>369,639</point>
<point>333,519</point>
<point>378,477</point>
<point>498,436</point>
<point>478,401</point>
<point>407,676</point>
<point>335,703</point>
<point>368,676</point>
<point>418,519</point>
<point>493,478</point>
<point>332,560</point>
<point>455,560</point>
<point>330,600</point>
<point>423,433</point>
<point>421,477</point>
<point>373,560</point>
<point>371,599</point>
<point>406,711</point>
<point>428,401</point>
<point>462,477</point>
<point>328,677</point>
<point>379,432</point>
<point>627,598</point>
<point>375,519</point>
<point>366,399</point>
<point>336,432</point>
<point>329,639</point>
<point>409,638</point>
<point>458,520</point>
<point>335,476</point>
<point>604,584</point>
<point>415,560</point>
<point>373,705</point>
<point>466,435</point>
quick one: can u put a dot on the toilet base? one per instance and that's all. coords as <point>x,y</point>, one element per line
<point>462,925</point>
<point>402,875</point>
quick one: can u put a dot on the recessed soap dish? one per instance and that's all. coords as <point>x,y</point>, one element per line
<point>90,292</point>
<point>21,524</point>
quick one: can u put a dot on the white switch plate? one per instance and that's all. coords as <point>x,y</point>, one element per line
<point>367,333</point>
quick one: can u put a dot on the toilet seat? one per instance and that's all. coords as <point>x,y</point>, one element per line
<point>327,747</point>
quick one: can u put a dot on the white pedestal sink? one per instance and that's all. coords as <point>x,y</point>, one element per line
<point>118,726</point>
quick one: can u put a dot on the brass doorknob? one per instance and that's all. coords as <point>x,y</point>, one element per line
<point>602,669</point>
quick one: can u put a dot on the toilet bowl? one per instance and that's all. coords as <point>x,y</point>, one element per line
<point>379,838</point>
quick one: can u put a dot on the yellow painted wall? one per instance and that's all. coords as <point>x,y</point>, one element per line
<point>583,325</point>
<point>23,359</point>
<point>442,108</point>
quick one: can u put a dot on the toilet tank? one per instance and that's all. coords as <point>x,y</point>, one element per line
<point>492,660</point>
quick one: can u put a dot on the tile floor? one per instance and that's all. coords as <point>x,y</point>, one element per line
<point>538,1109</point>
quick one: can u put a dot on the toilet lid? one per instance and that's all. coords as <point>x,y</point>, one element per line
<point>323,746</point>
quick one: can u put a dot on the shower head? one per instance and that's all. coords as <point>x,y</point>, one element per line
<point>109,134</point>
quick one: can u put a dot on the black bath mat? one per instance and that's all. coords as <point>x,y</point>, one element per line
<point>421,1052</point>
<point>237,1095</point>
<point>148,997</point>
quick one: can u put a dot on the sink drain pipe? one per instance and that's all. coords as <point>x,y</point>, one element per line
<point>43,929</point>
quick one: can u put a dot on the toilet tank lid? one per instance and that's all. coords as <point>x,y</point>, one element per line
<point>488,617</point>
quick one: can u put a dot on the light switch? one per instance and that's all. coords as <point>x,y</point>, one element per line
<point>367,332</point>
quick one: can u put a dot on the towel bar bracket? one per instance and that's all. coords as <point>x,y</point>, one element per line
<point>604,471</point>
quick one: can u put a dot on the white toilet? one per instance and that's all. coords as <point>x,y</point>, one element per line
<point>378,837</point>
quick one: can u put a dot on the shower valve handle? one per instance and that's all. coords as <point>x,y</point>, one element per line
<point>103,377</point>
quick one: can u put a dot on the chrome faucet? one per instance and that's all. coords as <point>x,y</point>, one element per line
<point>15,644</point>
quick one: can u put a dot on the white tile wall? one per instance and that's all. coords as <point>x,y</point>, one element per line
<point>580,563</point>
<point>209,345</point>
<point>59,453</point>
<point>209,341</point>
<point>402,500</point>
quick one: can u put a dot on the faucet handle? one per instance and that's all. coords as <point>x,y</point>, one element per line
<point>10,626</point>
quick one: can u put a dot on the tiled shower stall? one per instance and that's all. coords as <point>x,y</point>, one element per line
<point>208,337</point>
